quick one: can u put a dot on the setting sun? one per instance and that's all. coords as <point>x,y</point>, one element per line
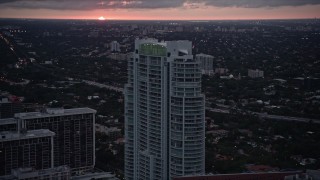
<point>101,18</point>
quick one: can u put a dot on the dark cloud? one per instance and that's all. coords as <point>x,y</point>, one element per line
<point>260,3</point>
<point>120,4</point>
<point>90,4</point>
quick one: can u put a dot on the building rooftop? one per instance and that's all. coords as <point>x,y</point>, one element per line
<point>153,47</point>
<point>8,121</point>
<point>22,173</point>
<point>96,175</point>
<point>204,55</point>
<point>105,129</point>
<point>51,112</point>
<point>4,100</point>
<point>11,136</point>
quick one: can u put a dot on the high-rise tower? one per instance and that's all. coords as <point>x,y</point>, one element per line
<point>164,112</point>
<point>74,140</point>
<point>32,149</point>
<point>206,63</point>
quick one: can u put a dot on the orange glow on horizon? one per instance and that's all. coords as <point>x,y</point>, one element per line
<point>208,13</point>
<point>101,18</point>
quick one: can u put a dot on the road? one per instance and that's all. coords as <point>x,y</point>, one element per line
<point>103,86</point>
<point>224,111</point>
<point>269,116</point>
<point>287,118</point>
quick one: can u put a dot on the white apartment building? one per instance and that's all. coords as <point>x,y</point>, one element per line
<point>255,73</point>
<point>164,112</point>
<point>115,46</point>
<point>206,63</point>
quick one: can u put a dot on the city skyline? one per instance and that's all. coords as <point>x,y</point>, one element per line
<point>159,100</point>
<point>164,10</point>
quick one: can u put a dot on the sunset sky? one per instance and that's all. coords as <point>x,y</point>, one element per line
<point>160,9</point>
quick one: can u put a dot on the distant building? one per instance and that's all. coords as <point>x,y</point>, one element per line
<point>179,29</point>
<point>311,83</point>
<point>216,133</point>
<point>227,77</point>
<point>221,71</point>
<point>115,46</point>
<point>255,73</point>
<point>94,34</point>
<point>120,56</point>
<point>309,175</point>
<point>206,63</point>
<point>8,108</point>
<point>260,168</point>
<point>48,62</point>
<point>241,176</point>
<point>113,132</point>
<point>74,143</point>
<point>32,148</point>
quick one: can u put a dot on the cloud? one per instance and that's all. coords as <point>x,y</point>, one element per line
<point>147,4</point>
<point>260,3</point>
<point>90,4</point>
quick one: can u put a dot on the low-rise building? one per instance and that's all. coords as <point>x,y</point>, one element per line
<point>309,175</point>
<point>255,73</point>
<point>221,71</point>
<point>112,132</point>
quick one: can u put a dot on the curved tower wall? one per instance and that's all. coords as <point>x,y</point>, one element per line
<point>164,112</point>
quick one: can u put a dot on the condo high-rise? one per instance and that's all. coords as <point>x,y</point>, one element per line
<point>164,112</point>
<point>8,108</point>
<point>206,63</point>
<point>74,140</point>
<point>26,149</point>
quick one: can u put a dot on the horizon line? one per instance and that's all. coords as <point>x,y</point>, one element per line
<point>200,20</point>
